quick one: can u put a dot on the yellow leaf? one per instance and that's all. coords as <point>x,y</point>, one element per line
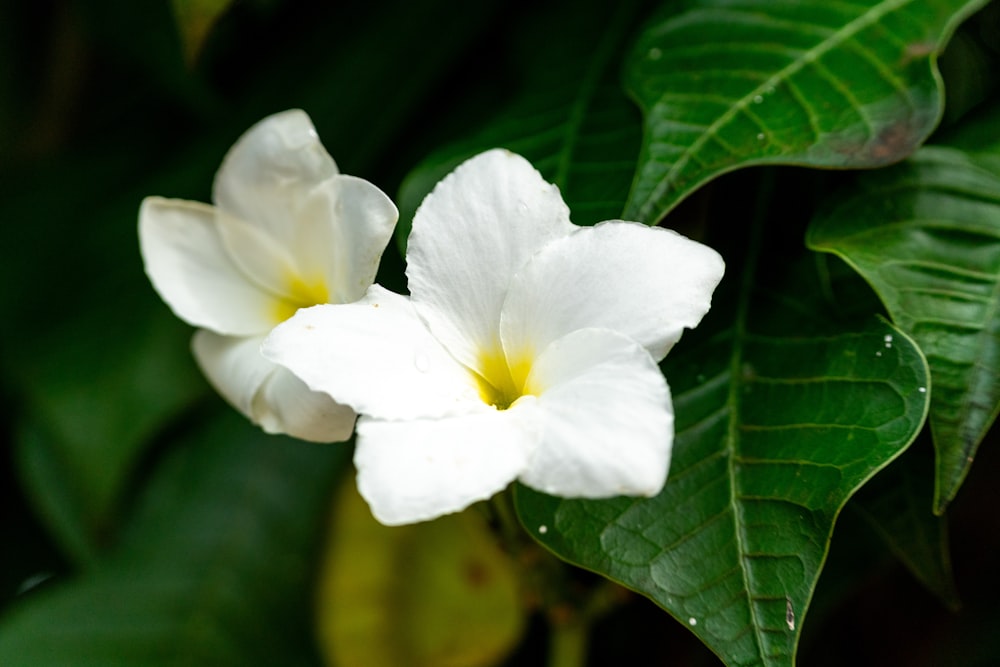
<point>435,594</point>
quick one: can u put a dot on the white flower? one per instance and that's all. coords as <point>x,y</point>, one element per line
<point>528,349</point>
<point>287,231</point>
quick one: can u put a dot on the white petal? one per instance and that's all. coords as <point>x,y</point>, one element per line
<point>341,230</point>
<point>266,393</point>
<point>646,282</point>
<point>234,366</point>
<point>608,421</point>
<point>376,356</point>
<point>188,265</point>
<point>286,405</point>
<point>265,261</point>
<point>418,470</point>
<point>470,235</point>
<point>270,170</point>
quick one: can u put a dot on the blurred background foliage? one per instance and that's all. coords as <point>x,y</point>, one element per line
<point>150,524</point>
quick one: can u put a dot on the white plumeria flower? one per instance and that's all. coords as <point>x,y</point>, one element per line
<point>527,350</point>
<point>287,231</point>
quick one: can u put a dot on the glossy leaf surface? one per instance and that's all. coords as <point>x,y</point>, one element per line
<point>778,423</point>
<point>926,236</point>
<point>726,84</point>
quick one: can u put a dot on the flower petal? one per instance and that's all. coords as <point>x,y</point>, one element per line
<point>286,405</point>
<point>608,422</point>
<point>270,170</point>
<point>341,230</point>
<point>234,366</point>
<point>646,282</point>
<point>188,265</point>
<point>418,470</point>
<point>376,356</point>
<point>470,235</point>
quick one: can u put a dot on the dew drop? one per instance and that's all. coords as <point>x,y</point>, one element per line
<point>33,581</point>
<point>692,621</point>
<point>422,363</point>
<point>887,338</point>
<point>879,353</point>
<point>922,390</point>
<point>655,53</point>
<point>542,529</point>
<point>757,99</point>
<point>761,137</point>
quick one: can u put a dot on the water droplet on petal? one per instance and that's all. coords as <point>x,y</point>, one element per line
<point>655,53</point>
<point>522,206</point>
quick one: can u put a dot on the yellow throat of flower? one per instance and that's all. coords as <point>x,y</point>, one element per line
<point>299,293</point>
<point>502,380</point>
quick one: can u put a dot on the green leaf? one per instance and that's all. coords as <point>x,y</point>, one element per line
<point>214,569</point>
<point>569,116</point>
<point>781,416</point>
<point>93,406</point>
<point>195,19</point>
<point>926,236</point>
<point>727,84</point>
<point>435,594</point>
<point>896,504</point>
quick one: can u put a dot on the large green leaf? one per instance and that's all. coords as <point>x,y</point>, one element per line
<point>569,116</point>
<point>726,84</point>
<point>926,236</point>
<point>780,418</point>
<point>214,568</point>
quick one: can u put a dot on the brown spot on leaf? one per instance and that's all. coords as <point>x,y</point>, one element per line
<point>476,574</point>
<point>917,51</point>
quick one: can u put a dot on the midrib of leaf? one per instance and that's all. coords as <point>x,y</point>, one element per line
<point>735,404</point>
<point>846,32</point>
<point>599,63</point>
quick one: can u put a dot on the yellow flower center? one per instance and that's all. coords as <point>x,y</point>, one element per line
<point>501,380</point>
<point>299,294</point>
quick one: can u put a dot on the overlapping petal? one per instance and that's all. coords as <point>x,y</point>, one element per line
<point>270,170</point>
<point>233,366</point>
<point>287,231</point>
<point>527,350</point>
<point>606,418</point>
<point>470,236</point>
<point>284,404</point>
<point>645,282</point>
<point>417,470</point>
<point>189,266</point>
<point>342,227</point>
<point>376,356</point>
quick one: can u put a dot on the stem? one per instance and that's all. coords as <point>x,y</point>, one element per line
<point>568,643</point>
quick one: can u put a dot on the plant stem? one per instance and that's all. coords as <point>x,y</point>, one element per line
<point>568,642</point>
